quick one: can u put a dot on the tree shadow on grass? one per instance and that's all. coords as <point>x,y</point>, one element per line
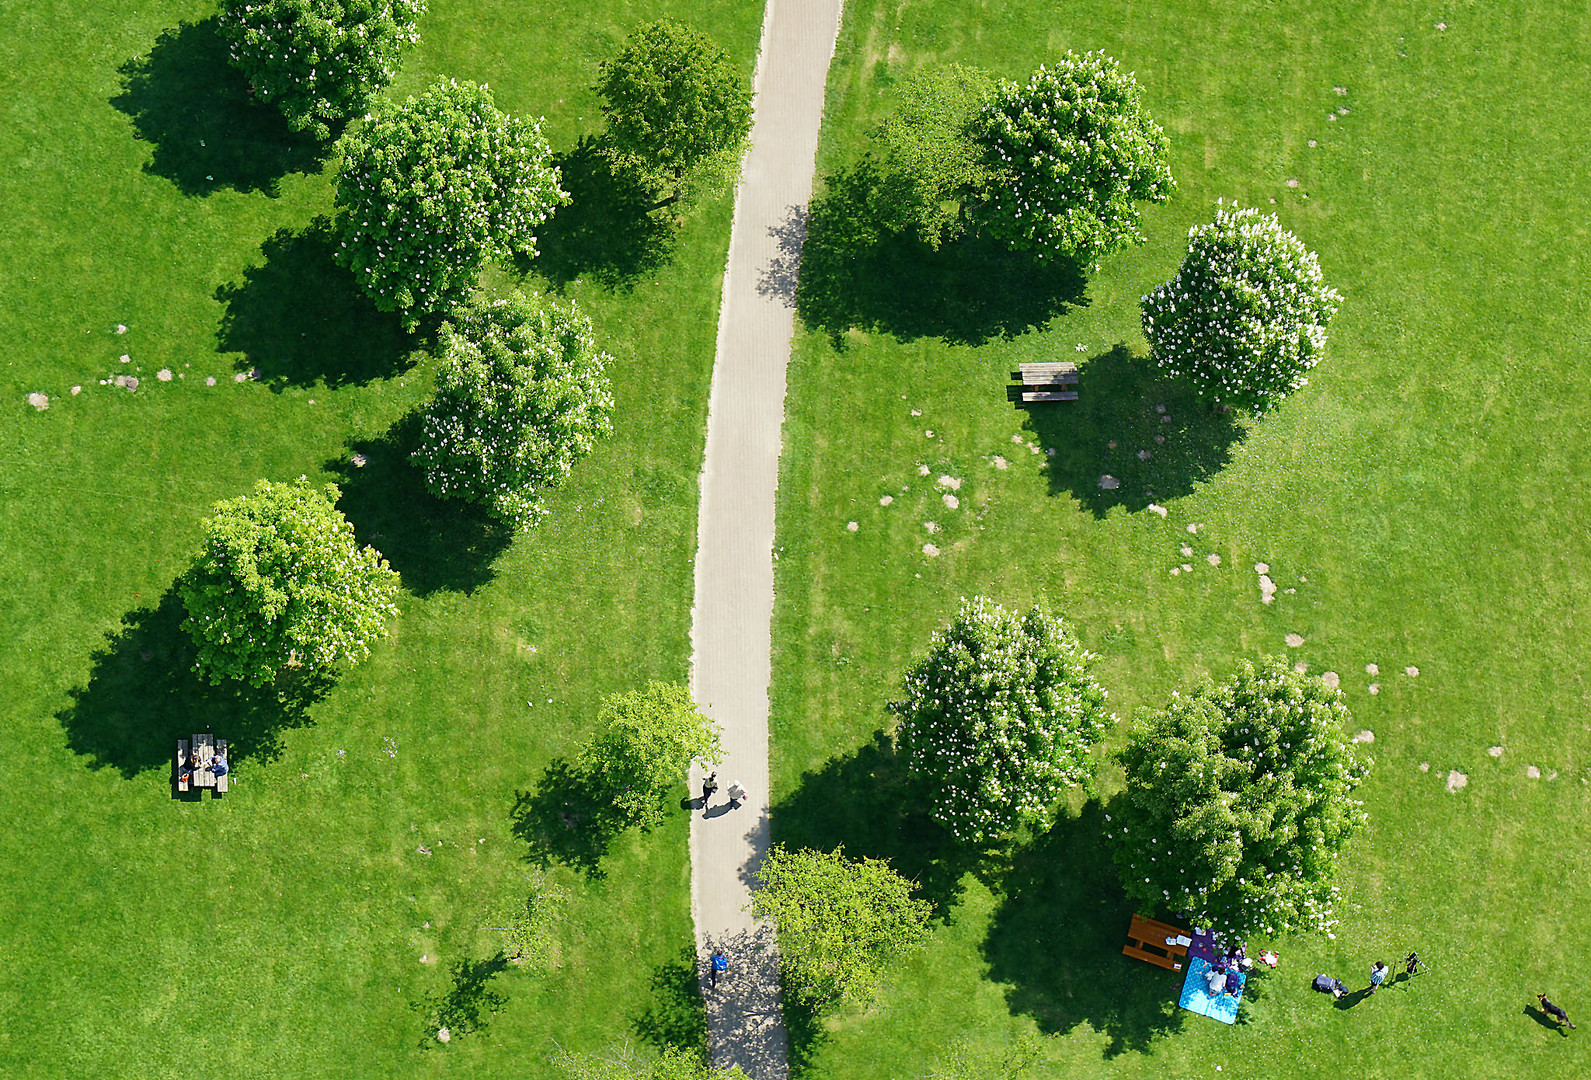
<point>858,273</point>
<point>675,1016</point>
<point>143,695</point>
<point>607,232</point>
<point>566,820</point>
<point>1056,937</point>
<point>865,801</point>
<point>436,545</point>
<point>1123,399</point>
<point>207,131</point>
<point>298,318</point>
<point>468,1004</point>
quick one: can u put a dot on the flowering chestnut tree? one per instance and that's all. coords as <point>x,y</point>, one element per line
<point>319,61</point>
<point>432,188</point>
<point>522,394</point>
<point>1239,800</point>
<point>840,922</point>
<point>998,718</point>
<point>281,584</point>
<point>1245,316</point>
<point>1072,153</point>
<point>678,109</point>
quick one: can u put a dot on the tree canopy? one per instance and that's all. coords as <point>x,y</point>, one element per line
<point>998,718</point>
<point>1239,800</point>
<point>930,161</point>
<point>1245,316</point>
<point>1072,153</point>
<point>432,188</point>
<point>678,109</point>
<point>280,583</point>
<point>521,395</point>
<point>319,61</point>
<point>840,921</point>
<point>643,749</point>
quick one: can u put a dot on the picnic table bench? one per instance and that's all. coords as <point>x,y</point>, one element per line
<point>205,748</point>
<point>1158,943</point>
<point>1055,381</point>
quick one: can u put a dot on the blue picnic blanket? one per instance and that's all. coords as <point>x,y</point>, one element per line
<point>1196,992</point>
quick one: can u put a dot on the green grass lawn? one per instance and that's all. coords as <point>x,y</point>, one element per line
<point>327,915</point>
<point>1419,504</point>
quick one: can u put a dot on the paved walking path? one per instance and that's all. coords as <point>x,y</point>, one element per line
<point>730,632</point>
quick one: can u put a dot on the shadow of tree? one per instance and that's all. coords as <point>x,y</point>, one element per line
<point>858,273</point>
<point>468,1004</point>
<point>566,820</point>
<point>1123,400</point>
<point>676,1015</point>
<point>436,545</point>
<point>607,232</point>
<point>1056,937</point>
<point>143,695</point>
<point>866,801</point>
<point>206,129</point>
<point>298,318</point>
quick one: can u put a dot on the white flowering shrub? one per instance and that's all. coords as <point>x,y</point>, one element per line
<point>319,61</point>
<point>1072,153</point>
<point>281,583</point>
<point>998,718</point>
<point>1245,317</point>
<point>522,395</point>
<point>1239,800</point>
<point>431,189</point>
<point>678,110</point>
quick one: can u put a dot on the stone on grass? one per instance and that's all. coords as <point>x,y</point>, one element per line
<point>1194,528</point>
<point>951,482</point>
<point>240,376</point>
<point>1213,559</point>
<point>1365,736</point>
<point>1145,455</point>
<point>1262,568</point>
<point>209,380</point>
<point>444,1035</point>
<point>1187,552</point>
<point>930,550</point>
<point>1532,772</point>
<point>120,329</point>
<point>1301,667</point>
<point>1332,681</point>
<point>1294,640</point>
<point>1425,766</point>
<point>1456,780</point>
<point>76,390</point>
<point>164,374</point>
<point>126,359</point>
<point>999,462</point>
<point>1187,568</point>
<point>1495,751</point>
<point>1372,669</point>
<point>1109,482</point>
<point>1374,688</point>
<point>1155,508</point>
<point>923,470</point>
<point>885,500</point>
<point>1411,671</point>
<point>951,501</point>
<point>39,401</point>
<point>1267,590</point>
<point>851,526</point>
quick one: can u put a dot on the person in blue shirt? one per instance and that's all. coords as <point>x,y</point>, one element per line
<point>219,765</point>
<point>718,963</point>
<point>1378,975</point>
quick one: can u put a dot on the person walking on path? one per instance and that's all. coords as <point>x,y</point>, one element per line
<point>709,786</point>
<point>737,795</point>
<point>1554,1011</point>
<point>1378,975</point>
<point>718,962</point>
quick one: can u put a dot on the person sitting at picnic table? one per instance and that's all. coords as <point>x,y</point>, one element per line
<point>218,765</point>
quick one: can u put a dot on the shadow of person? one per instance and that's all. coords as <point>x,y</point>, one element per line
<point>300,319</point>
<point>675,1014</point>
<point>468,1004</point>
<point>866,802</point>
<point>608,232</point>
<point>206,131</point>
<point>1349,1000</point>
<point>436,545</point>
<point>565,820</point>
<point>1166,438</point>
<point>1546,1021</point>
<point>1056,937</point>
<point>143,694</point>
<point>857,273</point>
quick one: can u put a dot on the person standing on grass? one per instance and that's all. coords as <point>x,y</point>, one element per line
<point>709,786</point>
<point>1378,975</point>
<point>1554,1011</point>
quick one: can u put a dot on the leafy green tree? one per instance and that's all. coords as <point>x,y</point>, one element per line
<point>319,61</point>
<point>998,718</point>
<point>840,922</point>
<point>931,162</point>
<point>644,748</point>
<point>1239,800</point>
<point>622,1063</point>
<point>678,110</point>
<point>432,188</point>
<point>281,584</point>
<point>1245,316</point>
<point>1072,153</point>
<point>521,395</point>
<point>529,925</point>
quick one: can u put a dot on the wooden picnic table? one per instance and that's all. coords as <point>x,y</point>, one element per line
<point>205,747</point>
<point>1158,943</point>
<point>1052,381</point>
